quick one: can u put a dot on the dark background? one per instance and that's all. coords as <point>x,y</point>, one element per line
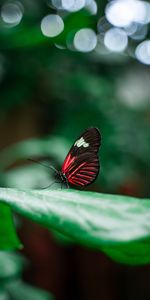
<point>52,93</point>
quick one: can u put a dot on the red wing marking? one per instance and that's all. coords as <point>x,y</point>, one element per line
<point>68,161</point>
<point>76,170</point>
<point>84,176</point>
<point>84,173</point>
<point>76,182</point>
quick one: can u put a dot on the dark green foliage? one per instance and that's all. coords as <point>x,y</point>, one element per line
<point>8,237</point>
<point>65,92</point>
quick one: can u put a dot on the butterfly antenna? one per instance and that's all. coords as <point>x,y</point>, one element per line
<point>36,161</point>
<point>46,187</point>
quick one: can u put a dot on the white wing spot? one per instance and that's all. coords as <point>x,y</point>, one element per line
<point>81,142</point>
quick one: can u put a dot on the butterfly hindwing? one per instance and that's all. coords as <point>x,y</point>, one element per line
<point>84,170</point>
<point>81,165</point>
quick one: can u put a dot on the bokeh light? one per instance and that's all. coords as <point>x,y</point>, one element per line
<point>77,5</point>
<point>52,25</point>
<point>140,33</point>
<point>91,7</point>
<point>147,10</point>
<point>123,12</point>
<point>71,5</point>
<point>116,39</point>
<point>133,88</point>
<point>67,4</point>
<point>12,13</point>
<point>142,52</point>
<point>57,4</point>
<point>103,25</point>
<point>85,40</point>
<point>59,46</point>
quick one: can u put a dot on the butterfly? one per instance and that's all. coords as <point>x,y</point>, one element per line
<point>81,165</point>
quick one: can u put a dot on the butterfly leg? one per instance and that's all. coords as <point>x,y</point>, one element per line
<point>67,184</point>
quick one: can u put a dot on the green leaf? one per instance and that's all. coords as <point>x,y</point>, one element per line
<point>132,253</point>
<point>117,225</point>
<point>8,237</point>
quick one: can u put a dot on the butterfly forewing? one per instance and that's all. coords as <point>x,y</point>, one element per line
<point>81,165</point>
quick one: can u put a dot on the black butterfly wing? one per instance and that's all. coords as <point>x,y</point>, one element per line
<point>81,165</point>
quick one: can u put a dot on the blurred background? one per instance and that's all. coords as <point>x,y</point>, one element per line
<point>66,65</point>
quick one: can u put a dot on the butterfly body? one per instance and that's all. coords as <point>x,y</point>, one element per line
<point>81,165</point>
<point>61,178</point>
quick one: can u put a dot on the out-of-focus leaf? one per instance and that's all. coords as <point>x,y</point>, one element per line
<point>11,265</point>
<point>18,290</point>
<point>8,237</point>
<point>55,147</point>
<point>32,176</point>
<point>11,286</point>
<point>4,295</point>
<point>118,225</point>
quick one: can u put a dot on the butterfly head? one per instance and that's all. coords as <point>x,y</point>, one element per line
<point>60,177</point>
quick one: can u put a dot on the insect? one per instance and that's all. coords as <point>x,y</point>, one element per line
<point>81,165</point>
